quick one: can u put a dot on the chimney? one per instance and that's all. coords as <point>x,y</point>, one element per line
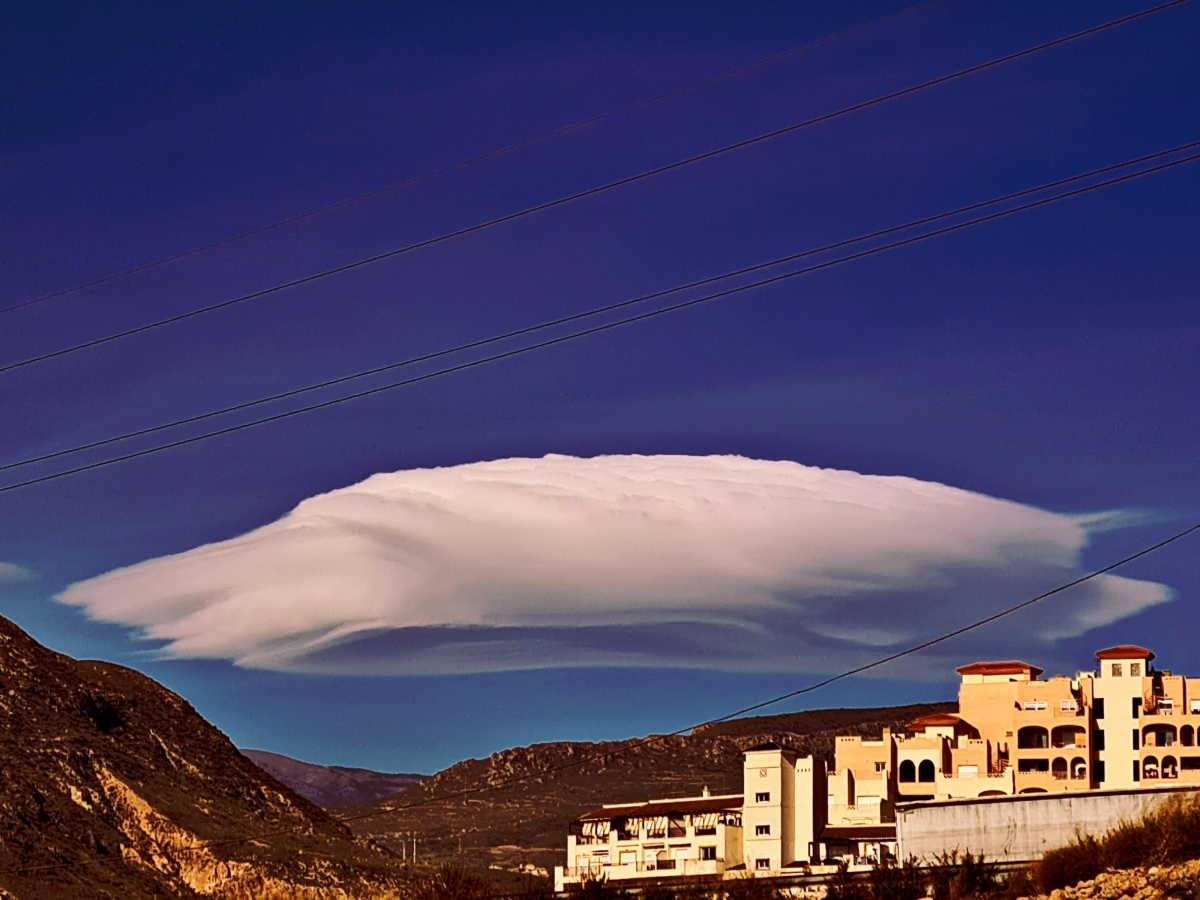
<point>706,792</point>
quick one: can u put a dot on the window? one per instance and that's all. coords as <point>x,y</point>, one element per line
<point>1078,769</point>
<point>708,852</point>
<point>1136,744</point>
<point>1098,707</point>
<point>1032,737</point>
<point>1035,704</point>
<point>1164,738</point>
<point>762,797</point>
<point>761,830</point>
<point>1033,765</point>
<point>1137,772</point>
<point>880,767</point>
<point>926,772</point>
<point>968,771</point>
<point>762,864</point>
<point>1167,705</point>
<point>1135,670</point>
<point>908,770</point>
<point>1116,670</point>
<point>1191,763</point>
<point>1195,705</point>
<point>1187,735</point>
<point>1066,706</point>
<point>1098,738</point>
<point>1137,706</point>
<point>1098,769</point>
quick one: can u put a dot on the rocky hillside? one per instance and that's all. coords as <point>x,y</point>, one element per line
<point>327,785</point>
<point>111,786</point>
<point>526,822</point>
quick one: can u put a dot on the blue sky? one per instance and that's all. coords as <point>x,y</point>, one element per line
<point>1047,359</point>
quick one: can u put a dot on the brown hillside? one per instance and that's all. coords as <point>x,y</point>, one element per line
<point>527,821</point>
<point>110,784</point>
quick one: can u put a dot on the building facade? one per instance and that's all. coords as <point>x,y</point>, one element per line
<point>1125,726</point>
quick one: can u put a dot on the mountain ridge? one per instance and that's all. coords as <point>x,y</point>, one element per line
<point>328,785</point>
<point>113,786</point>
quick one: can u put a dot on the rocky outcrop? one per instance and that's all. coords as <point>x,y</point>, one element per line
<point>1181,882</point>
<point>112,786</point>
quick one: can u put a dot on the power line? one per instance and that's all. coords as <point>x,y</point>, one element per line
<point>491,154</point>
<point>630,179</point>
<point>596,329</point>
<point>659,738</point>
<point>593,312</point>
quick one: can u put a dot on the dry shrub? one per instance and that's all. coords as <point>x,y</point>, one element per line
<point>452,883</point>
<point>1170,834</point>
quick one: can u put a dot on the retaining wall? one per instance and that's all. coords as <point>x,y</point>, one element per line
<point>1018,828</point>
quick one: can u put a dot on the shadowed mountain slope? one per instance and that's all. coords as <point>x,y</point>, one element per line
<point>326,785</point>
<point>113,786</point>
<point>527,821</point>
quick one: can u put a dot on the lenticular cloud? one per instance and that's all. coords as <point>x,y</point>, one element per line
<point>720,562</point>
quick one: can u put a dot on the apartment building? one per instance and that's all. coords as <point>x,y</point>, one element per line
<point>1124,726</point>
<point>1121,726</point>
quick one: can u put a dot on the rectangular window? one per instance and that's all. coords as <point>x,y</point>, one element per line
<point>1166,704</point>
<point>761,830</point>
<point>1135,670</point>
<point>1136,742</point>
<point>762,797</point>
<point>762,864</point>
<point>880,767</point>
<point>1033,765</point>
<point>708,852</point>
<point>1098,771</point>
<point>1035,704</point>
<point>1195,704</point>
<point>1116,670</point>
<point>1098,707</point>
<point>1191,763</point>
<point>1137,706</point>
<point>1066,705</point>
<point>1137,771</point>
<point>1098,739</point>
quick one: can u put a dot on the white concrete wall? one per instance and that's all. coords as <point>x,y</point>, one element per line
<point>1020,828</point>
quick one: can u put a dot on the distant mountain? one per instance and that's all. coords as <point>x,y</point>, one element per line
<point>527,822</point>
<point>325,785</point>
<point>112,786</point>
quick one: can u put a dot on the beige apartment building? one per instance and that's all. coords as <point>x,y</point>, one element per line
<point>1123,727</point>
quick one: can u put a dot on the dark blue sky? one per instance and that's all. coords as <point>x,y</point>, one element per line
<point>1048,358</point>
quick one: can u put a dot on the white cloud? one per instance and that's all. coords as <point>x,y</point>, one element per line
<point>10,573</point>
<point>721,562</point>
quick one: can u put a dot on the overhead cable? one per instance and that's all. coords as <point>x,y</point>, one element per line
<point>958,226</point>
<point>551,204</point>
<point>482,157</point>
<point>563,320</point>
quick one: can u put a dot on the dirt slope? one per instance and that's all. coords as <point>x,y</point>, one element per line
<point>110,784</point>
<point>527,822</point>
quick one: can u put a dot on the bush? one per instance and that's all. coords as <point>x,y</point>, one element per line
<point>1170,834</point>
<point>452,883</point>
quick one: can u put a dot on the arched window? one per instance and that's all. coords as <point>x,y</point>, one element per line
<point>1158,736</point>
<point>1187,736</point>
<point>1170,768</point>
<point>1059,769</point>
<point>1150,767</point>
<point>1078,769</point>
<point>1033,737</point>
<point>908,771</point>
<point>1067,737</point>
<point>1033,790</point>
<point>927,772</point>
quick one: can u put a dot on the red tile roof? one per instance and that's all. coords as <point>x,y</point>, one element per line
<point>1125,651</point>
<point>728,803</point>
<point>1009,667</point>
